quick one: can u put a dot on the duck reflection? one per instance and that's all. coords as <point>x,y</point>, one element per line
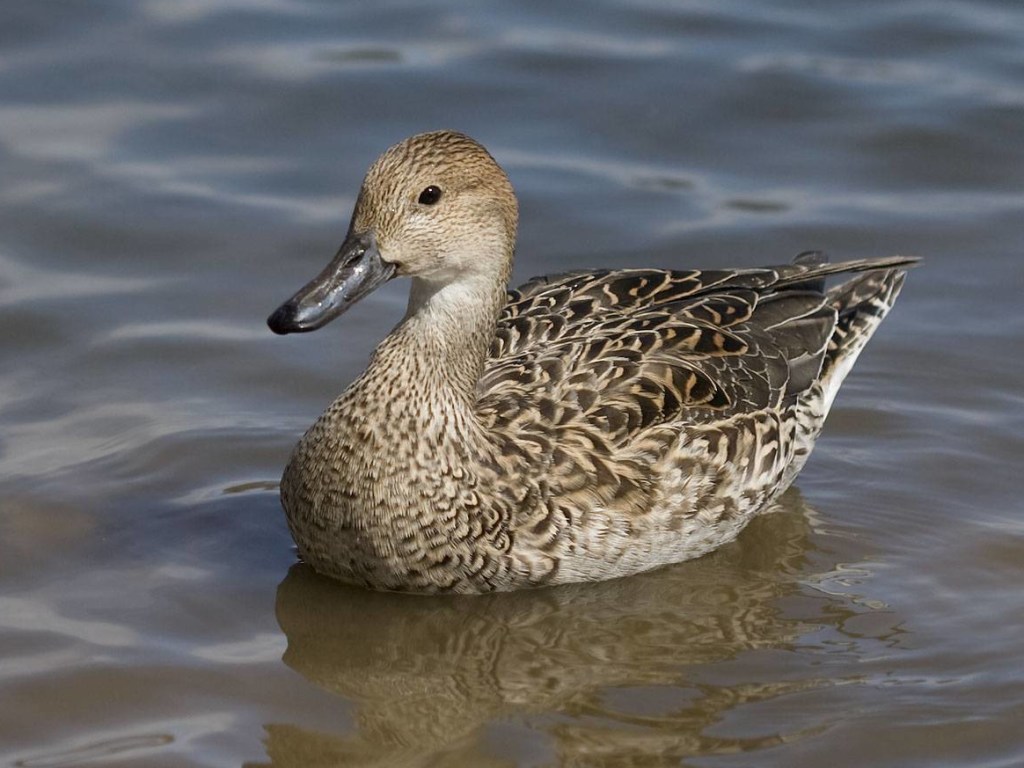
<point>598,667</point>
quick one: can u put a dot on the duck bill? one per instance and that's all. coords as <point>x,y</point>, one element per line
<point>355,271</point>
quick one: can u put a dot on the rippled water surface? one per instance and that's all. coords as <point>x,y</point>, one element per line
<point>173,169</point>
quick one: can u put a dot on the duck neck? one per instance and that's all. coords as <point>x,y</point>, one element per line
<point>440,347</point>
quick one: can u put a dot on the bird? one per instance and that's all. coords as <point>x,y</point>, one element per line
<point>584,426</point>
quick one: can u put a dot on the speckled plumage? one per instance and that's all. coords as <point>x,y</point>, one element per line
<point>581,427</point>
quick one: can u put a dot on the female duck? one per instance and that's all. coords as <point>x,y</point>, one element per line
<point>585,426</point>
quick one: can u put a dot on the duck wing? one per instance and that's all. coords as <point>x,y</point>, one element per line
<point>625,350</point>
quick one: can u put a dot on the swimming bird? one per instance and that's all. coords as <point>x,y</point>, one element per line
<point>584,426</point>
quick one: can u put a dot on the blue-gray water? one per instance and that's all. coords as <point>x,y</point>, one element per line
<point>170,170</point>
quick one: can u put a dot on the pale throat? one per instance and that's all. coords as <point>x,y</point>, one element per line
<point>436,355</point>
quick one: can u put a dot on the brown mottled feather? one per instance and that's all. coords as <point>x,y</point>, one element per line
<point>582,426</point>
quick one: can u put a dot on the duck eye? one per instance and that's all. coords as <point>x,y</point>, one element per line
<point>430,195</point>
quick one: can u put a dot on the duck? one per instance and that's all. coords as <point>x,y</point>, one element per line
<point>584,426</point>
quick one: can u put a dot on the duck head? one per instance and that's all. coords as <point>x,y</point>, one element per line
<point>435,207</point>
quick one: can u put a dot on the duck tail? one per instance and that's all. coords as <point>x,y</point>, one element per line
<point>861,304</point>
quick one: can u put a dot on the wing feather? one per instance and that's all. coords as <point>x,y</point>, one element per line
<point>624,351</point>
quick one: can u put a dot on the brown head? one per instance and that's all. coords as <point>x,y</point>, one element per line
<point>435,207</point>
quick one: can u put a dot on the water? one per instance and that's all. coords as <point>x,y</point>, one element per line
<point>173,169</point>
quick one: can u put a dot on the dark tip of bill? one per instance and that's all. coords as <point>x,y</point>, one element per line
<point>282,321</point>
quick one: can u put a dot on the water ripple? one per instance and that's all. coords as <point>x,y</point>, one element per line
<point>26,615</point>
